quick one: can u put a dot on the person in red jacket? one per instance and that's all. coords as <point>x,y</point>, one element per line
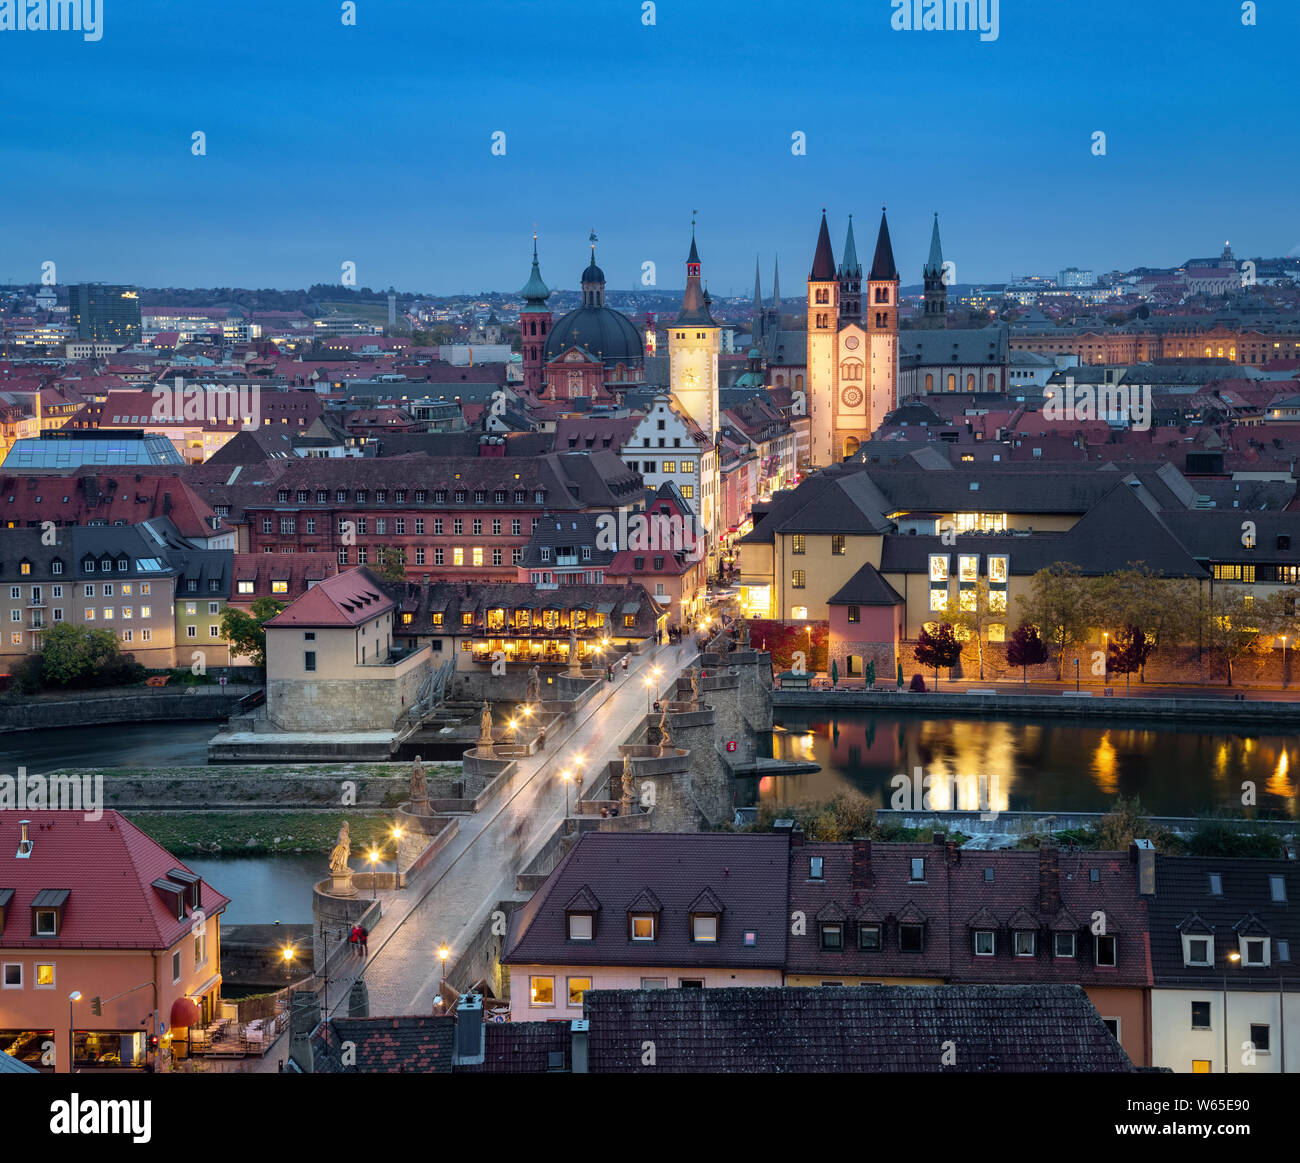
<point>355,940</point>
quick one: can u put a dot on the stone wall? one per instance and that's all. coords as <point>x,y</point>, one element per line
<point>156,704</point>
<point>333,918</point>
<point>371,702</point>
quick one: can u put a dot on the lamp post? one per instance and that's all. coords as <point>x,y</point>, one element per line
<point>566,776</point>
<point>1284,662</point>
<point>443,953</point>
<point>374,882</point>
<point>1234,958</point>
<point>397,855</point>
<point>649,689</point>
<point>73,998</point>
<point>1105,656</point>
<point>1076,676</point>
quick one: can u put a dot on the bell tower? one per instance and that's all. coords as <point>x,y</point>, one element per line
<point>693,350</point>
<point>534,325</point>
<point>823,326</point>
<point>881,311</point>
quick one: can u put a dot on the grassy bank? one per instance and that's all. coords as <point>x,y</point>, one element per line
<point>261,833</point>
<point>396,771</point>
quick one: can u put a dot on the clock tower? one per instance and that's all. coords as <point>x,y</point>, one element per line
<point>693,351</point>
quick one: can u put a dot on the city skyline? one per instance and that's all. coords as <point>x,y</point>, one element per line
<point>373,144</point>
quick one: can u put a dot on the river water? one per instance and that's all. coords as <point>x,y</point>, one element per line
<point>1036,764</point>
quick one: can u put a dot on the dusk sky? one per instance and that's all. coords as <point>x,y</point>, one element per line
<point>372,143</point>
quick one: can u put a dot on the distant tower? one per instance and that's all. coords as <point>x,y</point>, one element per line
<point>392,310</point>
<point>1227,258</point>
<point>693,350</point>
<point>534,324</point>
<point>757,326</point>
<point>850,280</point>
<point>935,297</point>
<point>492,329</point>
<point>823,369</point>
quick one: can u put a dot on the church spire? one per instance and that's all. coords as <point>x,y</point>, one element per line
<point>883,269</point>
<point>850,267</point>
<point>757,327</point>
<point>695,303</point>
<point>776,284</point>
<point>934,265</point>
<point>823,268</point>
<point>535,291</point>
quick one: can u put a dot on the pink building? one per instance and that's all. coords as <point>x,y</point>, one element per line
<point>866,625</point>
<point>95,908</point>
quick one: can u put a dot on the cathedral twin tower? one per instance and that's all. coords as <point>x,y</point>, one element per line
<point>852,344</point>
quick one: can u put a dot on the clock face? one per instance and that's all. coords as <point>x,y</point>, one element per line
<point>852,397</point>
<point>690,379</point>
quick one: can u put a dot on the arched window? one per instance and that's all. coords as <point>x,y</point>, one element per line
<point>851,370</point>
<point>851,446</point>
<point>952,382</point>
<point>990,382</point>
<point>798,381</point>
<point>929,382</point>
<point>970,381</point>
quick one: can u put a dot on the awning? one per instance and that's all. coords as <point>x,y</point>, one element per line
<point>185,1013</point>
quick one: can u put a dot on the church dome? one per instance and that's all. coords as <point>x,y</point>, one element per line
<point>604,332</point>
<point>593,274</point>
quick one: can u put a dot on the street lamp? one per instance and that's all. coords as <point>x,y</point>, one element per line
<point>443,953</point>
<point>1234,958</point>
<point>566,776</point>
<point>73,998</point>
<point>649,689</point>
<point>1076,676</point>
<point>1105,655</point>
<point>1284,662</point>
<point>374,875</point>
<point>397,855</point>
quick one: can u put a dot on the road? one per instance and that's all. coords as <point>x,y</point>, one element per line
<point>456,895</point>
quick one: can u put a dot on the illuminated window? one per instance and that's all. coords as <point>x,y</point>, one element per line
<point>542,991</point>
<point>997,632</point>
<point>44,976</point>
<point>798,579</point>
<point>577,987</point>
<point>968,567</point>
<point>998,568</point>
<point>458,556</point>
<point>938,567</point>
<point>938,601</point>
<point>643,926</point>
<point>799,613</point>
<point>798,543</point>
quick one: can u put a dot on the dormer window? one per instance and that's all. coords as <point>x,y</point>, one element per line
<point>1025,942</point>
<point>704,927</point>
<point>581,926</point>
<point>1254,951</point>
<point>1105,951</point>
<point>47,912</point>
<point>643,926</point>
<point>1197,950</point>
<point>832,935</point>
<point>985,942</point>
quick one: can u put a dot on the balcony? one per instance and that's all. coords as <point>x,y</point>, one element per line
<point>36,603</point>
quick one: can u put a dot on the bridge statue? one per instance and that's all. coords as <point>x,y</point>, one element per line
<point>665,739</point>
<point>419,789</point>
<point>694,673</point>
<point>574,666</point>
<point>628,786</point>
<point>534,685</point>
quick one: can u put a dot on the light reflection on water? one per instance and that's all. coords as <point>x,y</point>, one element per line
<point>1032,765</point>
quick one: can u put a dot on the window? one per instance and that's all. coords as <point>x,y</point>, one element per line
<point>580,926</point>
<point>1200,1015</point>
<point>44,975</point>
<point>816,867</point>
<point>146,635</point>
<point>643,926</point>
<point>911,938</point>
<point>200,950</point>
<point>1254,951</point>
<point>541,991</point>
<point>1112,1024</point>
<point>832,933</point>
<point>1216,884</point>
<point>176,966</point>
<point>985,942</point>
<point>191,608</point>
<point>704,927</point>
<point>869,938</point>
<point>309,660</point>
<point>798,543</point>
<point>577,987</point>
<point>798,579</point>
<point>1105,951</point>
<point>1259,1037</point>
<point>87,591</point>
<point>13,975</point>
<point>837,544</point>
<point>1025,942</point>
<point>1200,1066</point>
<point>1277,889</point>
<point>47,923</point>
<point>1196,951</point>
<point>918,868</point>
<point>1063,944</point>
<point>654,983</point>
<point>191,631</point>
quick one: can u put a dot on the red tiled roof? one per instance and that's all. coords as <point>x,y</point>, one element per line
<point>108,867</point>
<point>346,599</point>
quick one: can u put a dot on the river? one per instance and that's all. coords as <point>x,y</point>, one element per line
<point>1037,765</point>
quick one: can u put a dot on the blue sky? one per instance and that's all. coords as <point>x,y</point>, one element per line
<point>372,144</point>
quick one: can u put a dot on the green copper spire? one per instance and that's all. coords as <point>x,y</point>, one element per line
<point>535,291</point>
<point>934,264</point>
<point>849,265</point>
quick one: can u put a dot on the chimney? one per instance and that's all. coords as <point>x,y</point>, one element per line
<point>1143,854</point>
<point>25,843</point>
<point>952,851</point>
<point>469,1030</point>
<point>796,837</point>
<point>581,1034</point>
<point>861,863</point>
<point>1049,878</point>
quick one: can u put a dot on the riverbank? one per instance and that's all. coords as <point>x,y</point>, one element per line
<point>120,705</point>
<point>1080,705</point>
<point>265,832</point>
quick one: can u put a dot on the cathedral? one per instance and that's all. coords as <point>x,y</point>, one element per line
<point>852,344</point>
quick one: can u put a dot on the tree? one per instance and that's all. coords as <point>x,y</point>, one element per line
<point>1026,649</point>
<point>1165,608</point>
<point>71,654</point>
<point>1237,625</point>
<point>390,563</point>
<point>1127,652</point>
<point>936,648</point>
<point>1060,603</point>
<point>245,632</point>
<point>977,610</point>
